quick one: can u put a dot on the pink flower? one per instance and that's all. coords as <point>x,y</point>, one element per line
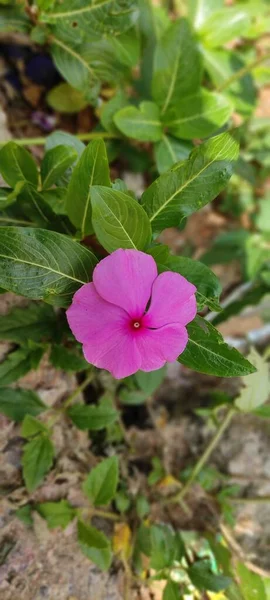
<point>130,317</point>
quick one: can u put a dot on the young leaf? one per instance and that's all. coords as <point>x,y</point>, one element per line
<point>35,322</point>
<point>92,417</point>
<point>101,483</point>
<point>141,123</point>
<point>170,151</point>
<point>207,352</point>
<point>59,138</point>
<point>177,66</point>
<point>37,460</point>
<point>57,514</point>
<point>132,397</point>
<point>199,115</point>
<point>66,359</point>
<point>251,584</point>
<point>256,390</point>
<point>18,363</point>
<point>171,591</point>
<point>200,10</point>
<point>118,220</point>
<point>92,169</point>
<point>54,164</point>
<point>224,25</point>
<point>203,578</point>
<point>17,164</point>
<point>166,547</point>
<point>149,382</point>
<point>66,99</point>
<point>110,108</point>
<point>16,403</point>
<point>191,184</point>
<point>95,545</point>
<point>32,426</point>
<point>42,264</point>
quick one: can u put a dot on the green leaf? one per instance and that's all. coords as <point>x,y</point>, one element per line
<point>133,397</point>
<point>199,115</point>
<point>16,403</point>
<point>24,513</point>
<point>166,547</point>
<point>18,363</point>
<point>142,506</point>
<point>92,417</point>
<point>141,123</point>
<point>207,352</point>
<point>75,67</point>
<point>251,298</point>
<point>92,169</point>
<point>207,284</point>
<point>9,196</point>
<point>17,164</point>
<point>103,16</point>
<point>37,460</point>
<point>251,584</point>
<point>34,322</point>
<point>204,579</point>
<point>32,426</point>
<point>224,25</point>
<point>54,164</point>
<point>171,591</point>
<point>257,253</point>
<point>65,99</point>
<point>170,151</point>
<point>221,66</point>
<point>57,514</point>
<point>37,210</point>
<point>256,390</point>
<point>118,220</point>
<point>177,66</point>
<point>67,359</point>
<point>150,382</point>
<point>95,545</point>
<point>200,10</point>
<point>108,110</point>
<point>14,19</point>
<point>56,198</point>
<point>62,138</point>
<point>101,483</point>
<point>190,184</point>
<point>42,264</point>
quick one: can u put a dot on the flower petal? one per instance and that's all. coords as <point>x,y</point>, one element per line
<point>125,278</point>
<point>103,328</point>
<point>158,346</point>
<point>173,301</point>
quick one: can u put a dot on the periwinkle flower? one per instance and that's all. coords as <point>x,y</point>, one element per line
<point>130,317</point>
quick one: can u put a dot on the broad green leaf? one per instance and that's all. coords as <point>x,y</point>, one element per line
<point>203,578</point>
<point>57,514</point>
<point>126,47</point>
<point>18,363</point>
<point>17,164</point>
<point>103,16</point>
<point>207,352</point>
<point>224,25</point>
<point>9,196</point>
<point>101,483</point>
<point>199,115</point>
<point>56,198</point>
<point>142,506</point>
<point>37,460</point>
<point>132,397</point>
<point>24,513</point>
<point>95,545</point>
<point>200,10</point>
<point>207,284</point>
<point>38,211</point>
<point>65,99</point>
<point>14,18</point>
<point>190,184</point>
<point>43,265</point>
<point>221,66</point>
<point>75,67</point>
<point>32,426</point>
<point>92,417</point>
<point>16,403</point>
<point>54,164</point>
<point>170,151</point>
<point>118,220</point>
<point>149,382</point>
<point>110,108</point>
<point>33,322</point>
<point>250,583</point>
<point>166,547</point>
<point>92,169</point>
<point>153,22</point>
<point>177,66</point>
<point>171,591</point>
<point>142,123</point>
<point>256,386</point>
<point>257,253</point>
<point>67,359</point>
<point>59,138</point>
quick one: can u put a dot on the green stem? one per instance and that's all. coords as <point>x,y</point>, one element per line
<point>105,514</point>
<point>69,400</point>
<point>84,137</point>
<point>204,458</point>
<point>242,72</point>
<point>254,500</point>
<point>15,221</point>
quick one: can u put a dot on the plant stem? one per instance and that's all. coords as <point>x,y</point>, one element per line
<point>242,72</point>
<point>105,514</point>
<point>84,137</point>
<point>254,500</point>
<point>69,400</point>
<point>204,458</point>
